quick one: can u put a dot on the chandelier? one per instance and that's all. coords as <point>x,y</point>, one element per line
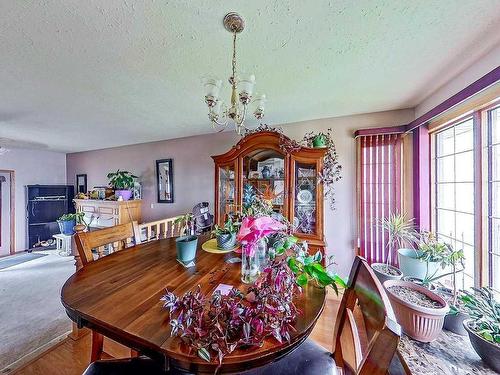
<point>219,113</point>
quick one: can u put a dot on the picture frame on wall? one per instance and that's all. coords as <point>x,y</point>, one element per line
<point>81,183</point>
<point>165,180</point>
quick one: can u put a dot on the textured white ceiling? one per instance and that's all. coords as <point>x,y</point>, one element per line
<point>79,75</point>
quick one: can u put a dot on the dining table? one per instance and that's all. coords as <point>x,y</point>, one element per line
<point>119,296</point>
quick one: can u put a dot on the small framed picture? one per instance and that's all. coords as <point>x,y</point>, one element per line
<point>81,183</point>
<point>165,180</point>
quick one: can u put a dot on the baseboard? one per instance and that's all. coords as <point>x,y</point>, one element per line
<point>30,357</point>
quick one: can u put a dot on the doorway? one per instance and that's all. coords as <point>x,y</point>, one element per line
<point>7,213</point>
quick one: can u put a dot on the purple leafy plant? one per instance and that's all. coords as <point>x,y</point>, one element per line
<point>216,326</point>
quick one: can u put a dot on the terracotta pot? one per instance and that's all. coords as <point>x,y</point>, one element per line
<point>420,323</point>
<point>489,352</point>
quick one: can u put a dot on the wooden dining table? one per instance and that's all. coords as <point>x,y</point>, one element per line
<point>119,296</point>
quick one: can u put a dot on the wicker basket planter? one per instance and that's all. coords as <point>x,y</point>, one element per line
<point>420,323</point>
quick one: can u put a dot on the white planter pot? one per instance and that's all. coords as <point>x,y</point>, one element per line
<point>413,267</point>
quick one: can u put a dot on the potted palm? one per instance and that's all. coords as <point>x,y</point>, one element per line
<point>68,221</point>
<point>484,326</point>
<point>226,234</point>
<point>187,242</point>
<point>122,182</point>
<point>402,233</point>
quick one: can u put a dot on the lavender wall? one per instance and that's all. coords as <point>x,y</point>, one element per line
<point>31,167</point>
<point>194,171</point>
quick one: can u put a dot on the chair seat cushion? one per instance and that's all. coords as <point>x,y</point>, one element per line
<point>308,359</point>
<point>127,366</point>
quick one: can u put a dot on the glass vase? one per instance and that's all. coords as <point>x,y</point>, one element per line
<point>262,255</point>
<point>249,265</point>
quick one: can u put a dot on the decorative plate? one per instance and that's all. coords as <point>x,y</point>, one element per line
<point>210,246</point>
<point>304,196</point>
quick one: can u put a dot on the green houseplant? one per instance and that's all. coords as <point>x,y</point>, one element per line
<point>122,182</point>
<point>402,233</point>
<point>425,262</point>
<point>226,234</point>
<point>187,242</point>
<point>68,221</point>
<point>484,326</point>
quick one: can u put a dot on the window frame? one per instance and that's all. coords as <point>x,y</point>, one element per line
<point>481,181</point>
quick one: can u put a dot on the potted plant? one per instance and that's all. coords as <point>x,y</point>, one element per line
<point>319,140</point>
<point>332,169</point>
<point>454,319</point>
<point>484,326</point>
<point>419,311</point>
<point>226,234</point>
<point>401,233</point>
<point>187,242</point>
<point>123,183</point>
<point>68,221</point>
<point>426,261</point>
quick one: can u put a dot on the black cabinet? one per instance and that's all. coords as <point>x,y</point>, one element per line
<point>46,203</point>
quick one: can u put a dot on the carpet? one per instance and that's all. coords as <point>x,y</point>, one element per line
<point>31,313</point>
<point>18,259</point>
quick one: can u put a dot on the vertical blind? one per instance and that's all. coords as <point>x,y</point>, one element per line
<point>379,191</point>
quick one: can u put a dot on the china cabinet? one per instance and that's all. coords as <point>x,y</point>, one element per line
<point>258,165</point>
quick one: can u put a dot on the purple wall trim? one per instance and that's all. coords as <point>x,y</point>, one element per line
<point>475,87</point>
<point>377,131</point>
<point>421,178</point>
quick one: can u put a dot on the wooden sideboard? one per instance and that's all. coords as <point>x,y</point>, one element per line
<point>103,213</point>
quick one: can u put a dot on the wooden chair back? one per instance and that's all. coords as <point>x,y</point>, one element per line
<point>366,331</point>
<point>155,230</point>
<point>117,237</point>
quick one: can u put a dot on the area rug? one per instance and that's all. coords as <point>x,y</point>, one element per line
<point>31,313</point>
<point>18,259</point>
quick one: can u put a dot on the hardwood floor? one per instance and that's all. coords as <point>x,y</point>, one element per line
<point>71,357</point>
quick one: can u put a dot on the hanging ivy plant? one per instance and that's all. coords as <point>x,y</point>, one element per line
<point>331,172</point>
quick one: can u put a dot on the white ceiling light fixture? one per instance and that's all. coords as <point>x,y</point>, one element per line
<point>241,89</point>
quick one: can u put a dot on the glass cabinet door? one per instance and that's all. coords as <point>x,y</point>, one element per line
<point>263,174</point>
<point>227,202</point>
<point>305,198</point>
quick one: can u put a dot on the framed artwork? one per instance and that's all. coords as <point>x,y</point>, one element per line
<point>81,183</point>
<point>165,180</point>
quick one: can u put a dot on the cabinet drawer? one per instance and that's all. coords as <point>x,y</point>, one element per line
<point>89,209</point>
<point>104,220</point>
<point>106,210</point>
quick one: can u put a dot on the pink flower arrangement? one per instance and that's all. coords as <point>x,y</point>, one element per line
<point>254,229</point>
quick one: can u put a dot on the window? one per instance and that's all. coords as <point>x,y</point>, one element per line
<point>454,191</point>
<point>466,192</point>
<point>379,189</point>
<point>493,219</point>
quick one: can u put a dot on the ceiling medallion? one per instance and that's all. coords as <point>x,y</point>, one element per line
<point>219,113</point>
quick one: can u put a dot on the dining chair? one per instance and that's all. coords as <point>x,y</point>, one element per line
<point>118,237</point>
<point>366,334</point>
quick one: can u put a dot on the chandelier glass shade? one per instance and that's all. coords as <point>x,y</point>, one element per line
<point>220,113</point>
